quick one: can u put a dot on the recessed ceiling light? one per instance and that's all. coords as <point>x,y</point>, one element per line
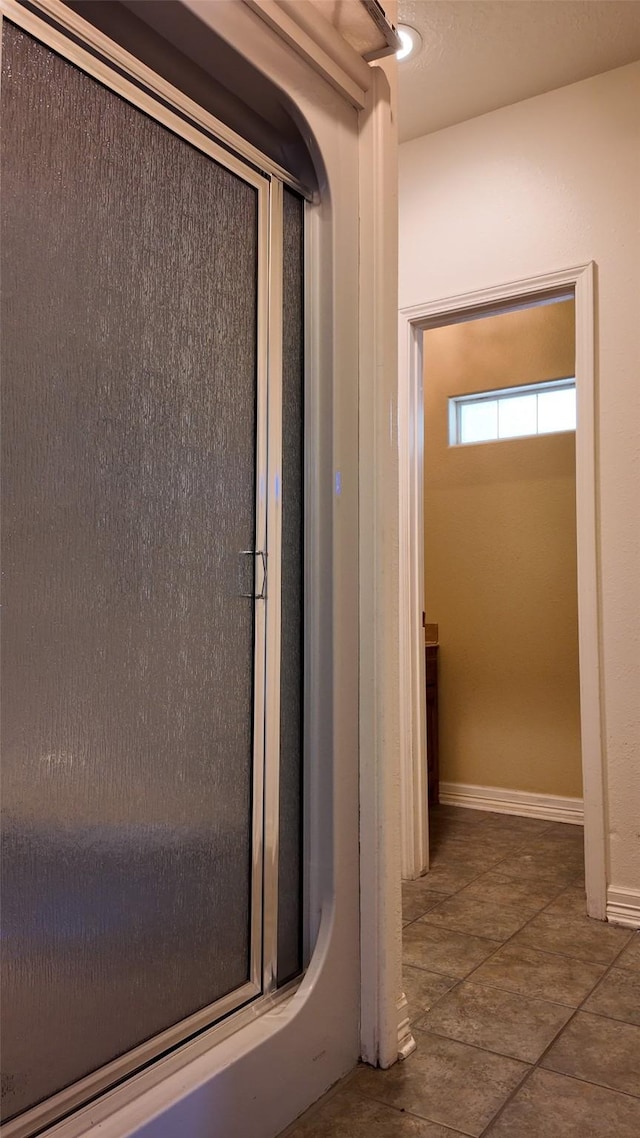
<point>411,42</point>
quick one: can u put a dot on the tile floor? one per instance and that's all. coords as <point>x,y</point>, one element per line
<point>526,1013</point>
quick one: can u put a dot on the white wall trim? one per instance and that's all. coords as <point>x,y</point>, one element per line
<point>413,730</point>
<point>432,313</point>
<point>380,703</point>
<point>623,907</point>
<point>552,807</point>
<point>406,1042</point>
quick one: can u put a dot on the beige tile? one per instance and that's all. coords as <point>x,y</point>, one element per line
<point>549,853</point>
<point>630,958</point>
<point>481,918</point>
<point>446,1082</point>
<point>599,1050</point>
<point>423,988</point>
<point>456,834</point>
<point>483,853</point>
<point>442,950</point>
<point>555,854</point>
<point>511,841</point>
<point>420,887</point>
<point>452,871</point>
<point>571,840</point>
<point>553,1106</point>
<point>561,834</point>
<point>617,996</point>
<point>417,886</point>
<point>456,813</point>
<point>453,875</point>
<point>561,929</point>
<point>462,832</point>
<point>500,1021</point>
<point>572,901</point>
<point>417,899</point>
<point>449,828</point>
<point>515,823</point>
<point>547,863</point>
<point>529,867</point>
<point>530,896</point>
<point>564,830</point>
<point>488,816</point>
<point>348,1115</point>
<point>544,858</point>
<point>542,975</point>
<point>474,847</point>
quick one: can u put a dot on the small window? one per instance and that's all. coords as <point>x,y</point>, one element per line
<point>513,412</point>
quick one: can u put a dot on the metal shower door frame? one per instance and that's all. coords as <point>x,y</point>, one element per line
<point>176,113</point>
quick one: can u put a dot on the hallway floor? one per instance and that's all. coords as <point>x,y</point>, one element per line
<point>526,1013</point>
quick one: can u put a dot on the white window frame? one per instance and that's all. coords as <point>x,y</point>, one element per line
<point>501,395</point>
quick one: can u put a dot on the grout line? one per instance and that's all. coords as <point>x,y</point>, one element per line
<point>535,1066</point>
<point>488,869</point>
<point>574,1010</point>
<point>436,1122</point>
<point>583,1082</point>
<point>476,1046</point>
<point>505,992</point>
<point>602,1015</point>
<point>552,952</point>
<point>561,889</point>
<point>345,1084</point>
<point>468,977</point>
<point>545,952</point>
<point>524,926</point>
<point>413,1114</point>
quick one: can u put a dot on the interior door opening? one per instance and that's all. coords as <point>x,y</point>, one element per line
<point>500,562</point>
<point>544,298</point>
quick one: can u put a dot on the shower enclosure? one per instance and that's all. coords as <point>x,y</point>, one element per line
<point>152,513</point>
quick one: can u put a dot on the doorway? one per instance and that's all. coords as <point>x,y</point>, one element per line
<point>500,562</point>
<point>414,322</point>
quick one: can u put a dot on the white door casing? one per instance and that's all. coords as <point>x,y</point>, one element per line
<point>578,281</point>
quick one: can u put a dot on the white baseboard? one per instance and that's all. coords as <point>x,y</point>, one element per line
<point>550,807</point>
<point>406,1042</point>
<point>623,907</point>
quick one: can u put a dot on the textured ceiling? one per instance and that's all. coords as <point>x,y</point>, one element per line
<point>479,56</point>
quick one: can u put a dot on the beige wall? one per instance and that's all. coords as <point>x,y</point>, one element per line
<point>549,183</point>
<point>500,563</point>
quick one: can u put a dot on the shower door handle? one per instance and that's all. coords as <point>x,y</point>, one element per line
<point>262,595</point>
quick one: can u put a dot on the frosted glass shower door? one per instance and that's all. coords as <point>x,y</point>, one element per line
<point>132,425</point>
